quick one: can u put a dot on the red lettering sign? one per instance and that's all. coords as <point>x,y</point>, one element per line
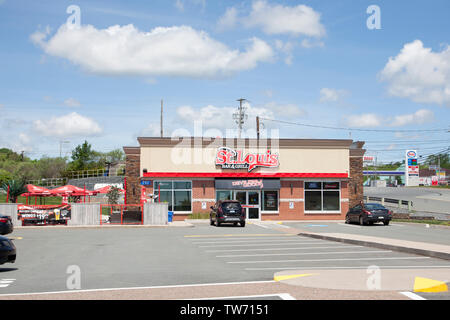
<point>229,158</point>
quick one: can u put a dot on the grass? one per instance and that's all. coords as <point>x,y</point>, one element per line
<point>437,222</point>
<point>44,200</point>
<point>198,215</point>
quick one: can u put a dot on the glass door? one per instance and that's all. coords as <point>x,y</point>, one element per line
<point>253,205</point>
<point>250,200</point>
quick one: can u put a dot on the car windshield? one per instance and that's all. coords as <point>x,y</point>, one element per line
<point>374,206</point>
<point>231,205</point>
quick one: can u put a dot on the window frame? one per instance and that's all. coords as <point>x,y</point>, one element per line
<point>172,190</point>
<point>322,190</point>
<point>262,202</point>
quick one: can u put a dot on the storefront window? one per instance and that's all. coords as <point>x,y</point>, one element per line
<point>270,200</point>
<point>223,195</point>
<point>178,194</point>
<point>322,196</point>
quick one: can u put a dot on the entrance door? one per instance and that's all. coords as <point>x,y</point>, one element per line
<point>250,200</point>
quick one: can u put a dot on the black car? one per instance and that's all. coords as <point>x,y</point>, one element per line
<point>7,251</point>
<point>227,211</point>
<point>368,213</point>
<point>6,225</point>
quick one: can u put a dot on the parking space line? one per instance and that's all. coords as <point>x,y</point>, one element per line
<point>251,242</point>
<point>283,296</point>
<point>338,268</point>
<point>247,239</point>
<point>412,295</point>
<point>240,235</point>
<point>341,259</point>
<point>253,245</point>
<point>295,248</point>
<point>299,254</point>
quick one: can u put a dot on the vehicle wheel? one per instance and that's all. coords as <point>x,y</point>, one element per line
<point>235,224</point>
<point>361,221</point>
<point>386,223</point>
<point>347,219</point>
<point>243,224</point>
<point>370,223</point>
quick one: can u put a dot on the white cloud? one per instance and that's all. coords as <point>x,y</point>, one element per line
<point>172,51</point>
<point>229,19</point>
<point>279,19</point>
<point>308,43</point>
<point>419,117</point>
<point>179,5</point>
<point>331,95</point>
<point>371,120</point>
<point>221,118</point>
<point>368,120</point>
<point>286,48</point>
<point>419,74</point>
<point>70,125</point>
<point>71,102</point>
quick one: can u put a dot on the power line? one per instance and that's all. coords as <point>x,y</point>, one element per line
<point>353,129</point>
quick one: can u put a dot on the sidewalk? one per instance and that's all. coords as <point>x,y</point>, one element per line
<point>420,248</point>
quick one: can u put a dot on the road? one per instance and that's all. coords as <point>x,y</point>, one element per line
<point>202,256</point>
<point>424,199</point>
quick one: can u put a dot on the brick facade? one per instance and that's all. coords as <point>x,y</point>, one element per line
<point>132,174</point>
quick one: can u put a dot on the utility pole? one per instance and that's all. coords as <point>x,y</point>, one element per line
<point>257,128</point>
<point>60,146</point>
<point>240,116</point>
<point>162,132</point>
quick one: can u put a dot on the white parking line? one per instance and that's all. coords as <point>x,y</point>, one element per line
<point>294,248</point>
<point>256,245</point>
<point>412,296</point>
<point>256,241</point>
<point>6,282</point>
<point>349,225</point>
<point>333,268</point>
<point>346,259</point>
<point>196,240</point>
<point>283,296</point>
<point>298,254</point>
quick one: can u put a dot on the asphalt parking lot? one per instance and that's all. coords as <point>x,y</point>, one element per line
<point>203,254</point>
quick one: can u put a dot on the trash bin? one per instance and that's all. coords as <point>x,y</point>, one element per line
<point>170,216</point>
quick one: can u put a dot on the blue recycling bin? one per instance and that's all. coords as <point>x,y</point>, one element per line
<point>170,216</point>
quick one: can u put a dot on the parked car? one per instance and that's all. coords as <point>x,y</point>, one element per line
<point>7,251</point>
<point>368,213</point>
<point>227,211</point>
<point>6,225</point>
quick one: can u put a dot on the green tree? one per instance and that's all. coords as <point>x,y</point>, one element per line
<point>82,157</point>
<point>16,188</point>
<point>113,195</point>
<point>4,176</point>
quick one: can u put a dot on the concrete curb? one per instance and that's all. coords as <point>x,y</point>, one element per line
<point>169,225</point>
<point>422,252</point>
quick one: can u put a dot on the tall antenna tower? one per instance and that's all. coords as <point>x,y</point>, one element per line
<point>240,116</point>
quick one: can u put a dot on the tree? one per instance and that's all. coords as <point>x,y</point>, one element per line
<point>113,195</point>
<point>82,156</point>
<point>4,176</point>
<point>16,188</point>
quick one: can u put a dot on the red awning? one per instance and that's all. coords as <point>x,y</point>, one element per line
<point>73,191</point>
<point>106,189</point>
<point>34,191</point>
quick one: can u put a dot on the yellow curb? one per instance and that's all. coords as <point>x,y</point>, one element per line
<point>292,276</point>
<point>429,285</point>
<point>15,238</point>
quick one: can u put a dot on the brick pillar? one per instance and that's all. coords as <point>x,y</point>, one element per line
<point>132,173</point>
<point>355,185</point>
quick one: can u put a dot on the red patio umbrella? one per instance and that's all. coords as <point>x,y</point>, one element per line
<point>106,189</point>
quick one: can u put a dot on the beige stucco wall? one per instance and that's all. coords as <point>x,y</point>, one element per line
<point>293,160</point>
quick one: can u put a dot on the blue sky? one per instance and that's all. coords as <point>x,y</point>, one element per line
<point>310,62</point>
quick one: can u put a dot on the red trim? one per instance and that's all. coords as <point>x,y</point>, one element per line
<point>243,175</point>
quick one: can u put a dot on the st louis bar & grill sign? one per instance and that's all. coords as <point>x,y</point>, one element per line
<point>229,158</point>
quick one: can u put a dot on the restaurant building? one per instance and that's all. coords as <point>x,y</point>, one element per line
<point>274,179</point>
